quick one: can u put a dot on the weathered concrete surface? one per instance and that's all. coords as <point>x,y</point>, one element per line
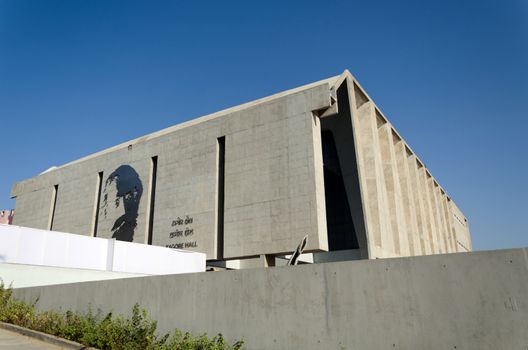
<point>31,339</point>
<point>273,192</point>
<point>456,301</point>
<point>13,341</point>
<point>406,211</point>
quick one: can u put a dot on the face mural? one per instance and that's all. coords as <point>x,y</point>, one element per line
<point>129,191</point>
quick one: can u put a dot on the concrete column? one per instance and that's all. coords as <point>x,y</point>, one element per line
<point>422,177</point>
<point>409,206</point>
<point>376,206</point>
<point>437,234</point>
<point>417,191</point>
<point>452,229</point>
<point>441,218</point>
<point>362,174</point>
<point>346,138</point>
<point>449,224</point>
<point>393,190</point>
<point>322,233</point>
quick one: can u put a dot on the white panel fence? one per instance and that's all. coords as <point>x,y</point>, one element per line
<point>23,245</point>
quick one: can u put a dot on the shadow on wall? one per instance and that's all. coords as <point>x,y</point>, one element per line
<point>130,189</point>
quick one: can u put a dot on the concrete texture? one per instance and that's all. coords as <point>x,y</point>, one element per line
<point>473,300</point>
<point>406,211</point>
<point>272,180</point>
<point>17,337</point>
<point>13,341</point>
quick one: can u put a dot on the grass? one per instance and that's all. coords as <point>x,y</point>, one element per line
<point>105,331</point>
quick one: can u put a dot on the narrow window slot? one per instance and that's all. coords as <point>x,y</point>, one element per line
<point>97,203</point>
<point>220,198</point>
<point>53,204</point>
<point>154,173</point>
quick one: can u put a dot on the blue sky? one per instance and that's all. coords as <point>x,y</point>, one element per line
<point>452,76</point>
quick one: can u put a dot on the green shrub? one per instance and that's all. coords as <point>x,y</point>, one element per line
<point>137,332</point>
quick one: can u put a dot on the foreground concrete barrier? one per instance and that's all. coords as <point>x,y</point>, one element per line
<point>473,300</point>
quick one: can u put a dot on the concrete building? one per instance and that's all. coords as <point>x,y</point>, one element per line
<point>320,160</point>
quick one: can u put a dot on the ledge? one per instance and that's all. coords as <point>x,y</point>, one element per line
<point>48,338</point>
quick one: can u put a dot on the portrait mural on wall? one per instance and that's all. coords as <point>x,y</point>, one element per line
<point>129,190</point>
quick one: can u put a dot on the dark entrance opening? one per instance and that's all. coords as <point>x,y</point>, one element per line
<point>341,232</point>
<point>344,206</point>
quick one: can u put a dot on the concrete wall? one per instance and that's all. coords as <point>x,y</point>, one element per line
<point>35,206</point>
<point>456,301</point>
<point>273,188</point>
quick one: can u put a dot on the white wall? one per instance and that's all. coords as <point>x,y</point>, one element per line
<point>22,245</point>
<point>22,276</point>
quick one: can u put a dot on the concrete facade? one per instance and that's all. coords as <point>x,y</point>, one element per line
<point>476,300</point>
<point>252,180</point>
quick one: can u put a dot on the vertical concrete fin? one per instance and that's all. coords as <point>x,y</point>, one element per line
<point>374,181</point>
<point>393,189</point>
<point>441,218</point>
<point>409,206</point>
<point>321,224</point>
<point>448,223</point>
<point>348,152</point>
<point>372,227</point>
<point>453,228</point>
<point>417,191</point>
<point>404,229</point>
<point>398,198</point>
<point>437,241</point>
<point>428,221</point>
